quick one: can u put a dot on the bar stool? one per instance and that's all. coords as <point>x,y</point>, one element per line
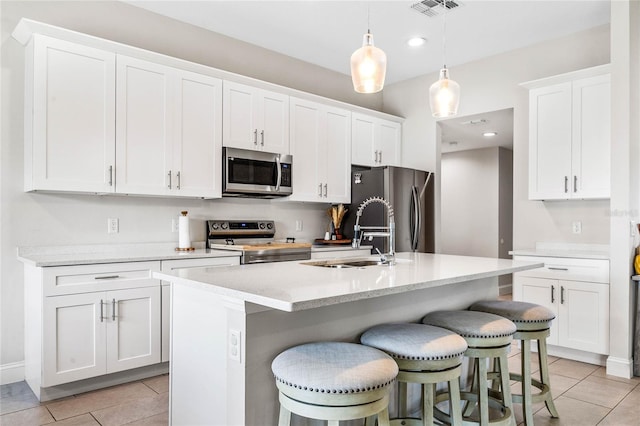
<point>488,338</point>
<point>334,381</point>
<point>427,355</point>
<point>532,323</point>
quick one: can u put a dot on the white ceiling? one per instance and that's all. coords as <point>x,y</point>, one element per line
<point>326,33</point>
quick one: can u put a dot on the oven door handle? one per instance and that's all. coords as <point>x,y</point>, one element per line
<point>279,173</point>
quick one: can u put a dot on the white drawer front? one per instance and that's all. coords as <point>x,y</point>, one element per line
<point>591,270</point>
<point>87,278</point>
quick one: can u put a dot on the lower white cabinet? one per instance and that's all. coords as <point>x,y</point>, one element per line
<point>577,291</point>
<point>90,334</point>
<point>85,321</point>
<point>172,265</point>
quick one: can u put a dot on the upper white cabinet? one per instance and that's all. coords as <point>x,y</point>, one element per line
<point>375,141</point>
<point>321,147</point>
<point>100,122</point>
<point>69,117</point>
<point>569,136</point>
<point>255,119</point>
<point>168,130</point>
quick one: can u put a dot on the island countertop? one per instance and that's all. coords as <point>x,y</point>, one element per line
<point>297,286</point>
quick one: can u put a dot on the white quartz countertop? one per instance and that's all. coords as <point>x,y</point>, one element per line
<point>296,286</point>
<point>567,250</point>
<point>112,253</point>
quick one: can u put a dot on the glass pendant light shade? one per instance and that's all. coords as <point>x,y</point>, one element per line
<point>444,96</point>
<point>368,67</point>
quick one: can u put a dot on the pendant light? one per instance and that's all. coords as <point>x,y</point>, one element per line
<point>444,94</point>
<point>368,65</point>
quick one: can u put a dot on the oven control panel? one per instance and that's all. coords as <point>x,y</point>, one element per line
<point>247,228</point>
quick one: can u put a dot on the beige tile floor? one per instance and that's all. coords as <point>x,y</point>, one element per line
<point>583,393</point>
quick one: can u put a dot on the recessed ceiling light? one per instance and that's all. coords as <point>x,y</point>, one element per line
<point>489,134</point>
<point>416,41</point>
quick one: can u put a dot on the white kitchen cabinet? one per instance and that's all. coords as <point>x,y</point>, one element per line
<point>168,131</point>
<point>569,136</point>
<point>69,117</point>
<point>89,320</point>
<point>577,291</point>
<point>90,334</point>
<point>172,265</point>
<point>375,141</point>
<point>255,119</point>
<point>321,146</point>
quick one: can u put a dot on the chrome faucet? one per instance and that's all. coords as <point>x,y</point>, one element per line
<point>360,232</point>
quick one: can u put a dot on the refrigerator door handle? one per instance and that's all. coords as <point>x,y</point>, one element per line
<point>414,219</point>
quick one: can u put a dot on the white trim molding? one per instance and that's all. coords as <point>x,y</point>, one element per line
<point>620,367</point>
<point>11,373</point>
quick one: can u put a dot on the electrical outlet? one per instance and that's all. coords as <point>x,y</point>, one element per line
<point>174,225</point>
<point>112,226</point>
<point>577,227</point>
<point>298,225</point>
<point>235,345</point>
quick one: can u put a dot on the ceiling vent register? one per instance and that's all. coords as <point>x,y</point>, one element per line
<point>432,8</point>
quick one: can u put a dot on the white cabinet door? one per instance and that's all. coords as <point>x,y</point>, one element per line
<point>584,312</point>
<point>307,150</point>
<point>74,338</point>
<point>273,122</point>
<point>197,142</point>
<point>255,119</point>
<point>390,143</point>
<point>69,117</point>
<point>543,292</point>
<point>133,328</point>
<point>363,149</point>
<point>143,127</point>
<point>592,137</point>
<point>338,155</point>
<point>321,147</point>
<point>375,142</point>
<point>550,142</point>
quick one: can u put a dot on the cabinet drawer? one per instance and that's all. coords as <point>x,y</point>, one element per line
<point>590,270</point>
<point>88,278</point>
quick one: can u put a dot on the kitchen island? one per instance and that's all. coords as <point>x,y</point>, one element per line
<point>229,323</point>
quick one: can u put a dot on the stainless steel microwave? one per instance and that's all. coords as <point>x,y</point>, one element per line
<point>255,173</point>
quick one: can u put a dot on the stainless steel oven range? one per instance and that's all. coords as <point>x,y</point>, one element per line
<point>255,239</point>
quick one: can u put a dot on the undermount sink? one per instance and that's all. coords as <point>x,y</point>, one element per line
<point>346,263</point>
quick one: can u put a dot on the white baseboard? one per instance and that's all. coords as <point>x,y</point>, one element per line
<point>620,367</point>
<point>11,373</point>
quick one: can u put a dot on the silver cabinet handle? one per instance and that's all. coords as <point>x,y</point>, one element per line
<point>113,309</point>
<point>178,176</point>
<point>107,277</point>
<point>325,190</point>
<point>262,137</point>
<point>320,190</point>
<point>555,268</point>
<point>169,174</point>
<point>110,175</point>
<point>101,311</point>
<point>255,136</point>
<point>566,184</point>
<point>375,156</point>
<point>575,183</point>
<point>380,161</point>
<point>562,295</point>
<point>553,293</point>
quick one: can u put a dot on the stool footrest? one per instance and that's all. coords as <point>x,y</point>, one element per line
<point>496,403</point>
<point>536,397</point>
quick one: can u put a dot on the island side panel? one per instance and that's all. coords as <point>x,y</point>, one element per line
<point>207,388</point>
<point>269,332</point>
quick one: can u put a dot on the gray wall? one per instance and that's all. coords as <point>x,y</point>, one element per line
<point>55,219</point>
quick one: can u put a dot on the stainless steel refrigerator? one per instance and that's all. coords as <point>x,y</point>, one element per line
<point>411,194</point>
